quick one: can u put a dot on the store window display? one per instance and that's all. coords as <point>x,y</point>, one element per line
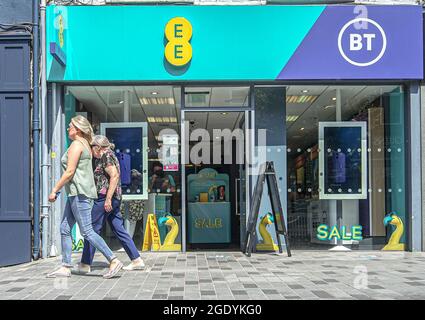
<point>133,117</point>
<point>360,163</point>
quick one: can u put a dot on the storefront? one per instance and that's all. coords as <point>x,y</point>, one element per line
<point>197,97</point>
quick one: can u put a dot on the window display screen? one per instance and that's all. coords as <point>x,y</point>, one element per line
<point>342,170</point>
<point>129,149</point>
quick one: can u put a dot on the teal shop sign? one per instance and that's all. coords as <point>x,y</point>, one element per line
<point>207,43</point>
<point>125,43</point>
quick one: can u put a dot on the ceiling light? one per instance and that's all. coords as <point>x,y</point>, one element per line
<point>291,118</point>
<point>224,113</point>
<point>154,93</point>
<point>121,102</point>
<point>333,99</point>
<point>156,101</point>
<point>300,99</point>
<point>162,119</point>
<point>302,128</point>
<point>305,91</point>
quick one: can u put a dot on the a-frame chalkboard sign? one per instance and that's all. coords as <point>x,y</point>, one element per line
<point>268,174</point>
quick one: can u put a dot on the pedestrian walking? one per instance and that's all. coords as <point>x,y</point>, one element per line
<point>79,185</point>
<point>107,205</point>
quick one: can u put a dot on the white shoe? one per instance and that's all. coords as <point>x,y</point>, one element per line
<point>135,266</point>
<point>60,273</point>
<point>81,269</point>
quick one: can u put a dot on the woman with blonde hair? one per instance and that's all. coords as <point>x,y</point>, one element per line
<point>107,205</point>
<point>79,184</point>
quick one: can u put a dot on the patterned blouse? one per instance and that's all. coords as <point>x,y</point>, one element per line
<point>101,177</point>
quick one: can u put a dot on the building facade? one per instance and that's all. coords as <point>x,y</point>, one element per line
<point>208,91</point>
<point>338,66</point>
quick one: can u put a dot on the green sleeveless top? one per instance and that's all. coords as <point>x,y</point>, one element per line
<point>82,183</point>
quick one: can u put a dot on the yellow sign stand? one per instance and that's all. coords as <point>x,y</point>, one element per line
<point>151,238</point>
<point>169,244</point>
<point>268,243</point>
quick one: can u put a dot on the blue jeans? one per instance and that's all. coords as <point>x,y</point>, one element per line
<point>116,223</point>
<point>78,209</point>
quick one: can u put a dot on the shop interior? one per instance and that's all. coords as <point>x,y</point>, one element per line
<point>381,108</point>
<point>214,195</point>
<point>214,192</point>
<point>214,183</point>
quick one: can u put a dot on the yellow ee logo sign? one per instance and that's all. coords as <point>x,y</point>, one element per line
<point>178,50</point>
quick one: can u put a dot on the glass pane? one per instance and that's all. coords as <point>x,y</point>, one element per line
<point>144,123</point>
<point>332,193</point>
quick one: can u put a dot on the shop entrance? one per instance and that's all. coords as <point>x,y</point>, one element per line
<point>215,199</point>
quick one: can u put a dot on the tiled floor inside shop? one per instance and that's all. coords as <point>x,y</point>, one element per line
<point>231,275</point>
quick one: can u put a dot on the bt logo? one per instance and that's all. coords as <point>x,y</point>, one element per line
<point>362,47</point>
<point>178,50</point>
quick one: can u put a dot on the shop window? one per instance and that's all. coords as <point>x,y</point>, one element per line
<point>143,122</point>
<point>351,179</point>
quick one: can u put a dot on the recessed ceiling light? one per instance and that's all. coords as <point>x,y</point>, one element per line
<point>300,99</point>
<point>302,128</point>
<point>333,99</point>
<point>305,91</point>
<point>162,119</point>
<point>121,102</point>
<point>291,118</point>
<point>224,113</point>
<point>154,101</point>
<point>154,93</point>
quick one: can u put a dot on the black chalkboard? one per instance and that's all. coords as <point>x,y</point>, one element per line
<point>268,174</point>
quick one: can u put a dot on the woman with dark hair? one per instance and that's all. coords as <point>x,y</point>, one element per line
<point>107,205</point>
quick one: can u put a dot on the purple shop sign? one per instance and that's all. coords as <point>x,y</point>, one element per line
<point>375,42</point>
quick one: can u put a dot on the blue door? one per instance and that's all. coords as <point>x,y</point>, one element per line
<point>15,213</point>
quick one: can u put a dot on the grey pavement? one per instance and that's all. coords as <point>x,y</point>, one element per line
<point>358,275</point>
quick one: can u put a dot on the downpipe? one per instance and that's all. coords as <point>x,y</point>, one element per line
<point>45,165</point>
<point>36,133</point>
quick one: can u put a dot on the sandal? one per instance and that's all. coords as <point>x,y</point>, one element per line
<point>112,272</point>
<point>81,270</point>
<point>60,273</point>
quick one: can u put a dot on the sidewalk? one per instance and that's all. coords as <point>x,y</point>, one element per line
<point>231,275</point>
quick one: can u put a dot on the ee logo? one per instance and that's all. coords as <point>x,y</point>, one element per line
<point>364,46</point>
<point>178,50</point>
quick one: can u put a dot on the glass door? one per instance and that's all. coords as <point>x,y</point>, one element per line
<point>227,131</point>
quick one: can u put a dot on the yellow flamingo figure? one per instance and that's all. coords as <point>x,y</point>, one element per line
<point>267,244</point>
<point>394,241</point>
<point>172,234</point>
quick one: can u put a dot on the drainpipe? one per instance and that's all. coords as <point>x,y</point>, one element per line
<point>45,165</point>
<point>36,133</point>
